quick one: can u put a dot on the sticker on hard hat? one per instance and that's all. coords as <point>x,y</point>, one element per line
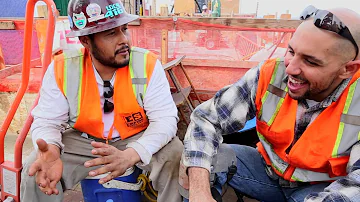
<point>94,12</point>
<point>79,20</point>
<point>113,10</point>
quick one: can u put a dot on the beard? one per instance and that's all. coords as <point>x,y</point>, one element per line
<point>312,92</point>
<point>111,60</point>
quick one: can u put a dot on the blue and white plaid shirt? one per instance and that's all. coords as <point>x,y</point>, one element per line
<point>228,111</point>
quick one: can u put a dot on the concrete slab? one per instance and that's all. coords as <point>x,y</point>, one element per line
<point>10,140</point>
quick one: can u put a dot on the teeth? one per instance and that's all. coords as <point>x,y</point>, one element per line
<point>295,82</point>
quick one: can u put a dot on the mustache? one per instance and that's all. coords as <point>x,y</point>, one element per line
<point>298,77</point>
<point>122,48</point>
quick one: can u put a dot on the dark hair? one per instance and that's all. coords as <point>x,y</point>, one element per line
<point>91,36</point>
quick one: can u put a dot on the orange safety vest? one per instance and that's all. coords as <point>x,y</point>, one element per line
<point>75,77</point>
<point>322,152</point>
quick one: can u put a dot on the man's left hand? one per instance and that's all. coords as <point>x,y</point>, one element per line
<point>113,161</point>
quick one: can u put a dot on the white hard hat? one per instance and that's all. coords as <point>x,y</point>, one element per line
<point>204,7</point>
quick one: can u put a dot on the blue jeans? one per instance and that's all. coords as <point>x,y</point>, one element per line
<point>252,180</point>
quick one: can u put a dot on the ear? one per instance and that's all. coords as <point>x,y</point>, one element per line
<point>85,41</point>
<point>350,69</point>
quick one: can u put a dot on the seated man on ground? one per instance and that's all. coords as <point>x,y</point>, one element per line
<point>102,109</point>
<point>307,108</point>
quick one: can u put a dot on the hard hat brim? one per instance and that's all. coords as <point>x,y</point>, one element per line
<point>103,27</point>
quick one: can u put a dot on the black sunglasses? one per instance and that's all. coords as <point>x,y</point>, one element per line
<point>108,93</point>
<point>328,21</point>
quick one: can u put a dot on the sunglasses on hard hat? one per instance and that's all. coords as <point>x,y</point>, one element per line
<point>108,93</point>
<point>328,21</point>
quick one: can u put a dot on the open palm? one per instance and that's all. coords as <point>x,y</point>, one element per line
<point>48,167</point>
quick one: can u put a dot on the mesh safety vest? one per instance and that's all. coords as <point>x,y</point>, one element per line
<point>75,77</point>
<point>323,150</point>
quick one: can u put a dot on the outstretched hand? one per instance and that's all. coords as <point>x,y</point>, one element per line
<point>48,167</point>
<point>112,161</point>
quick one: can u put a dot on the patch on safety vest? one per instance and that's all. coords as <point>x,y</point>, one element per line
<point>134,119</point>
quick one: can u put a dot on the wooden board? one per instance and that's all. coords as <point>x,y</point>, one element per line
<point>42,11</point>
<point>184,6</point>
<point>219,63</point>
<point>164,46</point>
<point>239,24</point>
<point>251,23</point>
<point>230,6</point>
<point>7,25</point>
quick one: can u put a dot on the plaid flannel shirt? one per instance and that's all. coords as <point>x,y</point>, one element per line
<point>228,111</point>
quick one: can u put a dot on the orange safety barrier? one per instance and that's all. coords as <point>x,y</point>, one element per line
<point>2,60</point>
<point>214,47</point>
<point>10,172</point>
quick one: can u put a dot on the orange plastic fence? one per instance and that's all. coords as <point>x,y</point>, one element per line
<point>212,50</point>
<point>200,40</point>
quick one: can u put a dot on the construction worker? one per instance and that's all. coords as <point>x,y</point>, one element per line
<point>307,109</point>
<point>205,11</point>
<point>102,110</point>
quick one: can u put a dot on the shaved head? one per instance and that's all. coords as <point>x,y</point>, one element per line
<point>352,20</point>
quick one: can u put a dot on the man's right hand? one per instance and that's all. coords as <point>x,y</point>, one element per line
<point>199,180</point>
<point>48,167</point>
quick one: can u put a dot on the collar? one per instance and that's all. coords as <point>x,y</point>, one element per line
<point>99,79</point>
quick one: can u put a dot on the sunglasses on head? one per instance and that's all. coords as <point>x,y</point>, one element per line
<point>328,21</point>
<point>108,93</point>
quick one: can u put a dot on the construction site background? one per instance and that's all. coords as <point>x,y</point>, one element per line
<point>218,52</point>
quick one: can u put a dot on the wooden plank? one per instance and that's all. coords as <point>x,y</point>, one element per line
<point>251,23</point>
<point>193,23</point>
<point>173,63</point>
<point>42,11</point>
<point>184,7</point>
<point>219,63</point>
<point>153,8</point>
<point>164,10</point>
<point>179,98</point>
<point>164,46</point>
<point>7,25</point>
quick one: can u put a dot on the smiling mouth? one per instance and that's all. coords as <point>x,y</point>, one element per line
<point>295,84</point>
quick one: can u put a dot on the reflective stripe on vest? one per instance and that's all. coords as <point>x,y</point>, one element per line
<point>348,126</point>
<point>72,90</point>
<point>139,76</point>
<point>350,122</point>
<point>276,161</point>
<point>274,95</point>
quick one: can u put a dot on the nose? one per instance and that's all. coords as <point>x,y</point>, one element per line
<point>293,65</point>
<point>123,37</point>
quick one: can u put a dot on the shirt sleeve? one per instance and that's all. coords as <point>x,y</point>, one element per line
<point>162,114</point>
<point>47,118</point>
<point>226,113</point>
